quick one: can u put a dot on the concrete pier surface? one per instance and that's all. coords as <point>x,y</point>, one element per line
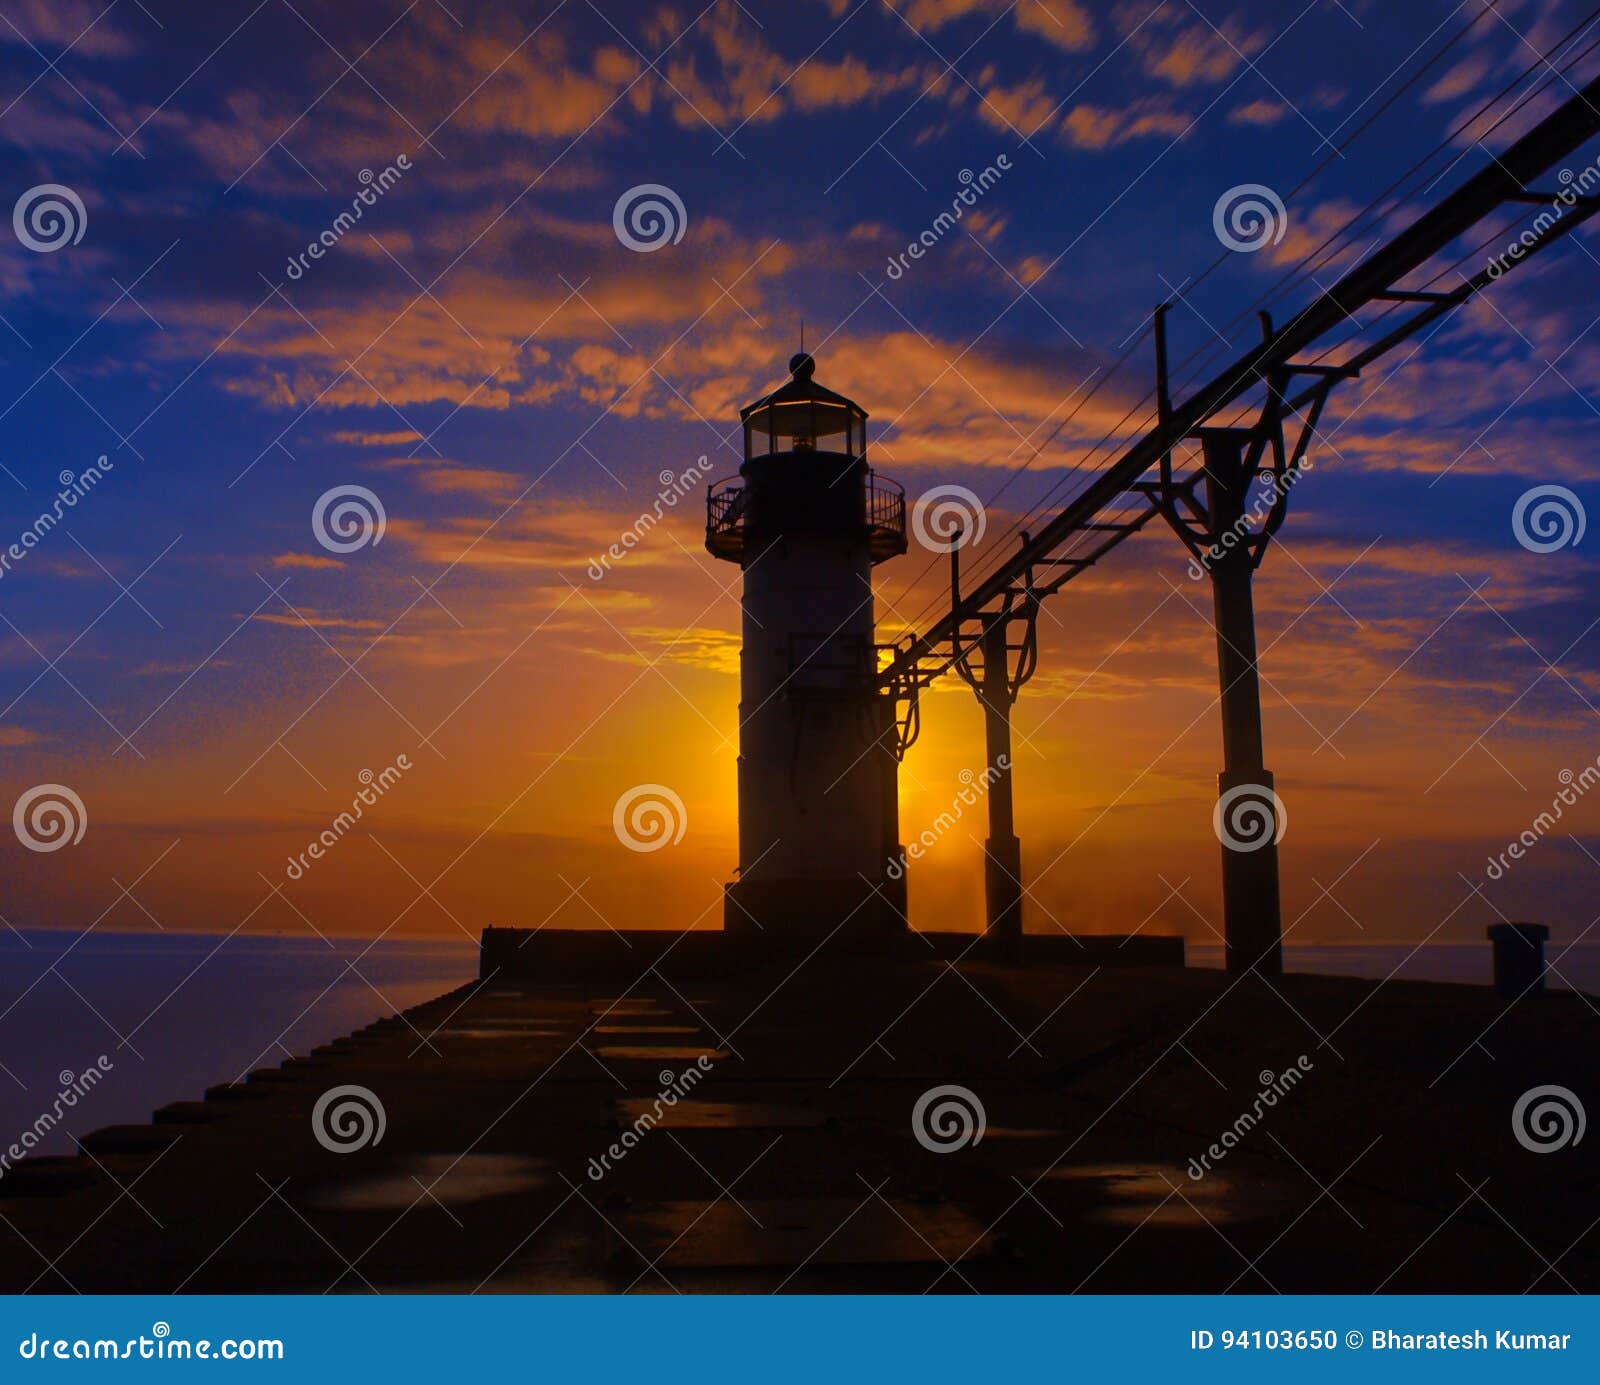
<point>807,1124</point>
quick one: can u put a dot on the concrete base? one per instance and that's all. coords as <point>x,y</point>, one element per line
<point>850,913</point>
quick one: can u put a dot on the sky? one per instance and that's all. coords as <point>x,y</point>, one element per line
<point>265,253</point>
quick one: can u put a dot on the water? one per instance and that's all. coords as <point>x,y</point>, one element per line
<point>165,1015</point>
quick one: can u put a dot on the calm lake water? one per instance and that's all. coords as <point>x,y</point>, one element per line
<point>172,1014</point>
<point>175,1013</point>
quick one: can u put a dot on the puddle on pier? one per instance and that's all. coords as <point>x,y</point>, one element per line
<point>722,1115</point>
<point>645,1029</point>
<point>519,1033</point>
<point>774,1233</point>
<point>660,1053</point>
<point>1163,1195</point>
<point>419,1179</point>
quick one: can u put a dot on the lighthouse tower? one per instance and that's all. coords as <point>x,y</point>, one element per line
<point>807,520</point>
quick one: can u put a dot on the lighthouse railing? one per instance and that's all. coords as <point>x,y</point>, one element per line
<point>883,513</point>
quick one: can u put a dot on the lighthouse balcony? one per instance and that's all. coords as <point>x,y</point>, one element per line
<point>883,518</point>
<point>886,517</point>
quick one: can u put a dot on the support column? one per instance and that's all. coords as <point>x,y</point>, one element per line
<point>1002,875</point>
<point>894,852</point>
<point>1248,821</point>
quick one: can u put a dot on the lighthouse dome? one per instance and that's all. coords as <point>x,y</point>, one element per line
<point>801,416</point>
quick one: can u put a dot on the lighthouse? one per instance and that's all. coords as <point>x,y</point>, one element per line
<point>807,520</point>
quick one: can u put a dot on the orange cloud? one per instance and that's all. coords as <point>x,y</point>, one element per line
<point>1459,80</point>
<point>357,438</point>
<point>1065,23</point>
<point>453,478</point>
<point>1099,127</point>
<point>314,562</point>
<point>742,79</point>
<point>1026,108</point>
<point>56,23</point>
<point>484,337</point>
<point>1258,112</point>
<point>1182,47</point>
